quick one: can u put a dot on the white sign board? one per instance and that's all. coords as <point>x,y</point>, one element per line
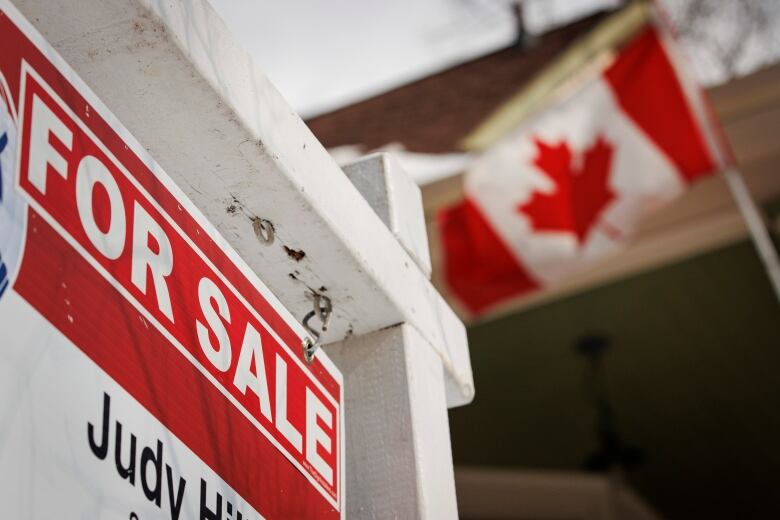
<point>145,372</point>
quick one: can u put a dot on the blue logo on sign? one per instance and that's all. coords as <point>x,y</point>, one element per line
<point>3,276</point>
<point>13,207</point>
<point>3,268</point>
<point>3,144</point>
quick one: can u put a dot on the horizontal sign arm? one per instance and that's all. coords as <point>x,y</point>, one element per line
<point>188,92</point>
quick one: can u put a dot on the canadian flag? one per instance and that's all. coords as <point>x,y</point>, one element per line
<point>571,185</point>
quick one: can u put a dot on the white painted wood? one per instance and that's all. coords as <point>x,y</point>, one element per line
<point>396,199</point>
<point>395,385</point>
<point>175,77</point>
<point>398,456</point>
<point>194,99</point>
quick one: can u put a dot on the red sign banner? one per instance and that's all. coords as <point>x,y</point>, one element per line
<point>129,279</point>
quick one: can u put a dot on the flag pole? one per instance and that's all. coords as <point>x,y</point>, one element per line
<point>724,158</point>
<point>746,205</point>
<point>755,224</point>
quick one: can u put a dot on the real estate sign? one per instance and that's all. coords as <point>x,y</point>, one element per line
<point>145,371</point>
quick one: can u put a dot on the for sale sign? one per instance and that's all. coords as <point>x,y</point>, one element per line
<point>145,372</point>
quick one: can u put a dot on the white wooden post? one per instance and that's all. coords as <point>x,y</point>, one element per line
<point>401,464</point>
<point>175,77</point>
<point>397,200</point>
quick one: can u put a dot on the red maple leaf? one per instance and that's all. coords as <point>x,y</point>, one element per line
<point>580,193</point>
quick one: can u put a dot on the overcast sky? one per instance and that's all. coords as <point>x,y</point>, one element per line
<point>324,55</point>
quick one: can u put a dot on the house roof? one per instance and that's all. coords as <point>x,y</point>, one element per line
<point>434,114</point>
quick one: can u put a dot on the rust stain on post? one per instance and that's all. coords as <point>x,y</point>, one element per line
<point>295,254</point>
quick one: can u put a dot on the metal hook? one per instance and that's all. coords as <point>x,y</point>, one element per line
<point>323,309</point>
<point>264,230</point>
<point>308,327</point>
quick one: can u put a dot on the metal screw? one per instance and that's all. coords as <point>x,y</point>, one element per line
<point>264,230</point>
<point>309,349</point>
